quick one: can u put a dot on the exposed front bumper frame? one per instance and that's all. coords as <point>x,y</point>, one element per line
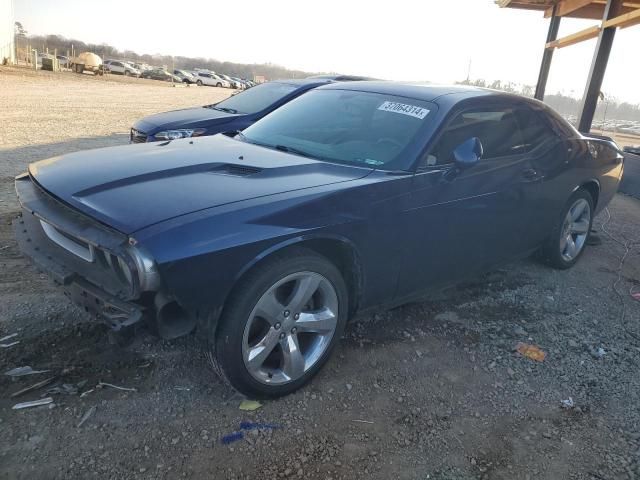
<point>103,306</point>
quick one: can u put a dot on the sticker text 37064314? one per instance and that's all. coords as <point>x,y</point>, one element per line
<point>404,109</point>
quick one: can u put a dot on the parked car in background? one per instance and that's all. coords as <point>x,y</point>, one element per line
<point>161,74</point>
<point>242,85</point>
<point>185,76</point>
<point>211,79</point>
<point>353,196</point>
<point>234,113</point>
<point>232,83</point>
<point>142,67</point>
<point>120,67</point>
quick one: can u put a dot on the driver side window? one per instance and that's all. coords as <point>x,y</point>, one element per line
<point>497,129</point>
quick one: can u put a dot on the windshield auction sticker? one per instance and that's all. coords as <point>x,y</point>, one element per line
<point>404,109</point>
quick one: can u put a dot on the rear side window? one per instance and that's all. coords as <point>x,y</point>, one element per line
<point>258,98</point>
<point>497,129</point>
<point>535,130</point>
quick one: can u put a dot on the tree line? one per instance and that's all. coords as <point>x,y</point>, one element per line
<point>63,46</point>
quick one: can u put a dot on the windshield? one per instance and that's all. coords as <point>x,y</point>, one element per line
<point>344,126</point>
<point>256,99</point>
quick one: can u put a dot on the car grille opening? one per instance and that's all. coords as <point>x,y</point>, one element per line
<point>72,244</point>
<point>89,253</point>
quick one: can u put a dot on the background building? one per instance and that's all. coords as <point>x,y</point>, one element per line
<point>7,48</point>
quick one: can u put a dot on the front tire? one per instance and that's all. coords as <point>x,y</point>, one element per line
<point>199,83</point>
<point>568,239</point>
<point>219,85</point>
<point>281,324</point>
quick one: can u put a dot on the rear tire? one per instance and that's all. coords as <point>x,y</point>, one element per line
<point>199,83</point>
<point>126,73</point>
<point>280,324</point>
<point>568,240</point>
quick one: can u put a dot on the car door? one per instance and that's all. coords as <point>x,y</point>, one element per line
<point>548,151</point>
<point>461,222</point>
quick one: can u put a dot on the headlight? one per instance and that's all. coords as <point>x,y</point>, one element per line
<point>182,133</point>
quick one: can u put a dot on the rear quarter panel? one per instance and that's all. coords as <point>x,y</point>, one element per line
<point>599,161</point>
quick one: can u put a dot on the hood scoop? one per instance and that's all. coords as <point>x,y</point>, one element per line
<point>235,170</point>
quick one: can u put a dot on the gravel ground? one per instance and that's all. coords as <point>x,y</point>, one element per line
<point>431,390</point>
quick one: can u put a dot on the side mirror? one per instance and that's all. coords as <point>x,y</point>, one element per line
<point>468,153</point>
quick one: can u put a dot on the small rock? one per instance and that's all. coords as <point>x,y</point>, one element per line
<point>518,330</point>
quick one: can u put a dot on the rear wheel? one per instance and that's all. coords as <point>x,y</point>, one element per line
<point>569,236</point>
<point>127,73</point>
<point>281,324</point>
<point>199,83</point>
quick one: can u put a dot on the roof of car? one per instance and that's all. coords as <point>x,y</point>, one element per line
<point>342,78</point>
<point>301,82</point>
<point>426,92</point>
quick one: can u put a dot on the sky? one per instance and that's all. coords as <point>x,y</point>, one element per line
<point>410,40</point>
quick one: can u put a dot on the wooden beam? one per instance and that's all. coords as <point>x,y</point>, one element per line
<point>595,10</point>
<point>565,7</point>
<point>623,21</point>
<point>524,4</point>
<point>581,36</point>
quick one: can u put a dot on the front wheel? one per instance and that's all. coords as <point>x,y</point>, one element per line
<point>568,239</point>
<point>218,85</point>
<point>199,83</point>
<point>281,324</point>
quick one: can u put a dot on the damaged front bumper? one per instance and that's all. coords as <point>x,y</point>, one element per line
<point>88,260</point>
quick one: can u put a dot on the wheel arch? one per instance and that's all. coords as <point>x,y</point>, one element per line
<point>337,249</point>
<point>593,187</point>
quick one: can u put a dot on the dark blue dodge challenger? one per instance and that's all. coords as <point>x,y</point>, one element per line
<point>350,197</point>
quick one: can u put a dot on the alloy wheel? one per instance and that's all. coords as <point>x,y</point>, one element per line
<point>575,229</point>
<point>290,327</point>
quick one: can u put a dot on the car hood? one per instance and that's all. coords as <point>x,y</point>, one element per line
<point>185,118</point>
<point>134,186</point>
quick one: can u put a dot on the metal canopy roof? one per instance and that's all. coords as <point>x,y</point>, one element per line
<point>612,14</point>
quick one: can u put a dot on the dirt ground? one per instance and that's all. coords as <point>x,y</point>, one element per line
<point>431,390</point>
